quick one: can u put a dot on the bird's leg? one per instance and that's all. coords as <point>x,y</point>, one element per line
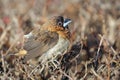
<point>54,61</point>
<point>42,68</point>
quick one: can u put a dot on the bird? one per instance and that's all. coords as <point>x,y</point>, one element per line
<point>52,39</point>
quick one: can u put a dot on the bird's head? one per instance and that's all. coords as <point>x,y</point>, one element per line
<point>56,23</point>
<point>59,25</point>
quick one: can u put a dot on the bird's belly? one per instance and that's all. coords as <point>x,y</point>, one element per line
<point>61,46</point>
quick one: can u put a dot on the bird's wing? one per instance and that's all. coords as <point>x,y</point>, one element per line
<point>39,45</point>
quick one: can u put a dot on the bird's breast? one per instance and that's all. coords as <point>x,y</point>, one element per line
<point>61,46</point>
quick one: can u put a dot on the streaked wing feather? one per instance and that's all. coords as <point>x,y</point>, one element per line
<point>36,47</point>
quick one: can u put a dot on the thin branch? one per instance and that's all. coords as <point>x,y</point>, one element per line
<point>96,74</point>
<point>3,65</point>
<point>66,74</point>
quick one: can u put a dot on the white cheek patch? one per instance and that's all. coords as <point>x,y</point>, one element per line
<point>28,35</point>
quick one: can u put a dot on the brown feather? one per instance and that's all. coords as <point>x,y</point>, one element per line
<point>39,45</point>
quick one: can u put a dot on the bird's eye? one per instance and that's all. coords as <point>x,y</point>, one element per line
<point>60,24</point>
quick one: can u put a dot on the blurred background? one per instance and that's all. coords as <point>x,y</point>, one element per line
<point>99,16</point>
<point>92,20</point>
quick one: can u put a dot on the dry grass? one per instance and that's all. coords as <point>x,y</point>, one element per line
<point>95,54</point>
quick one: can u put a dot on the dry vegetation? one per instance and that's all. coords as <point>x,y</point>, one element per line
<point>95,54</point>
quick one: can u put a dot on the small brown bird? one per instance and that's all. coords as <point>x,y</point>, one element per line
<point>51,40</point>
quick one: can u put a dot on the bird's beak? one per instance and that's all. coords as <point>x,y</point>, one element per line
<point>66,22</point>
